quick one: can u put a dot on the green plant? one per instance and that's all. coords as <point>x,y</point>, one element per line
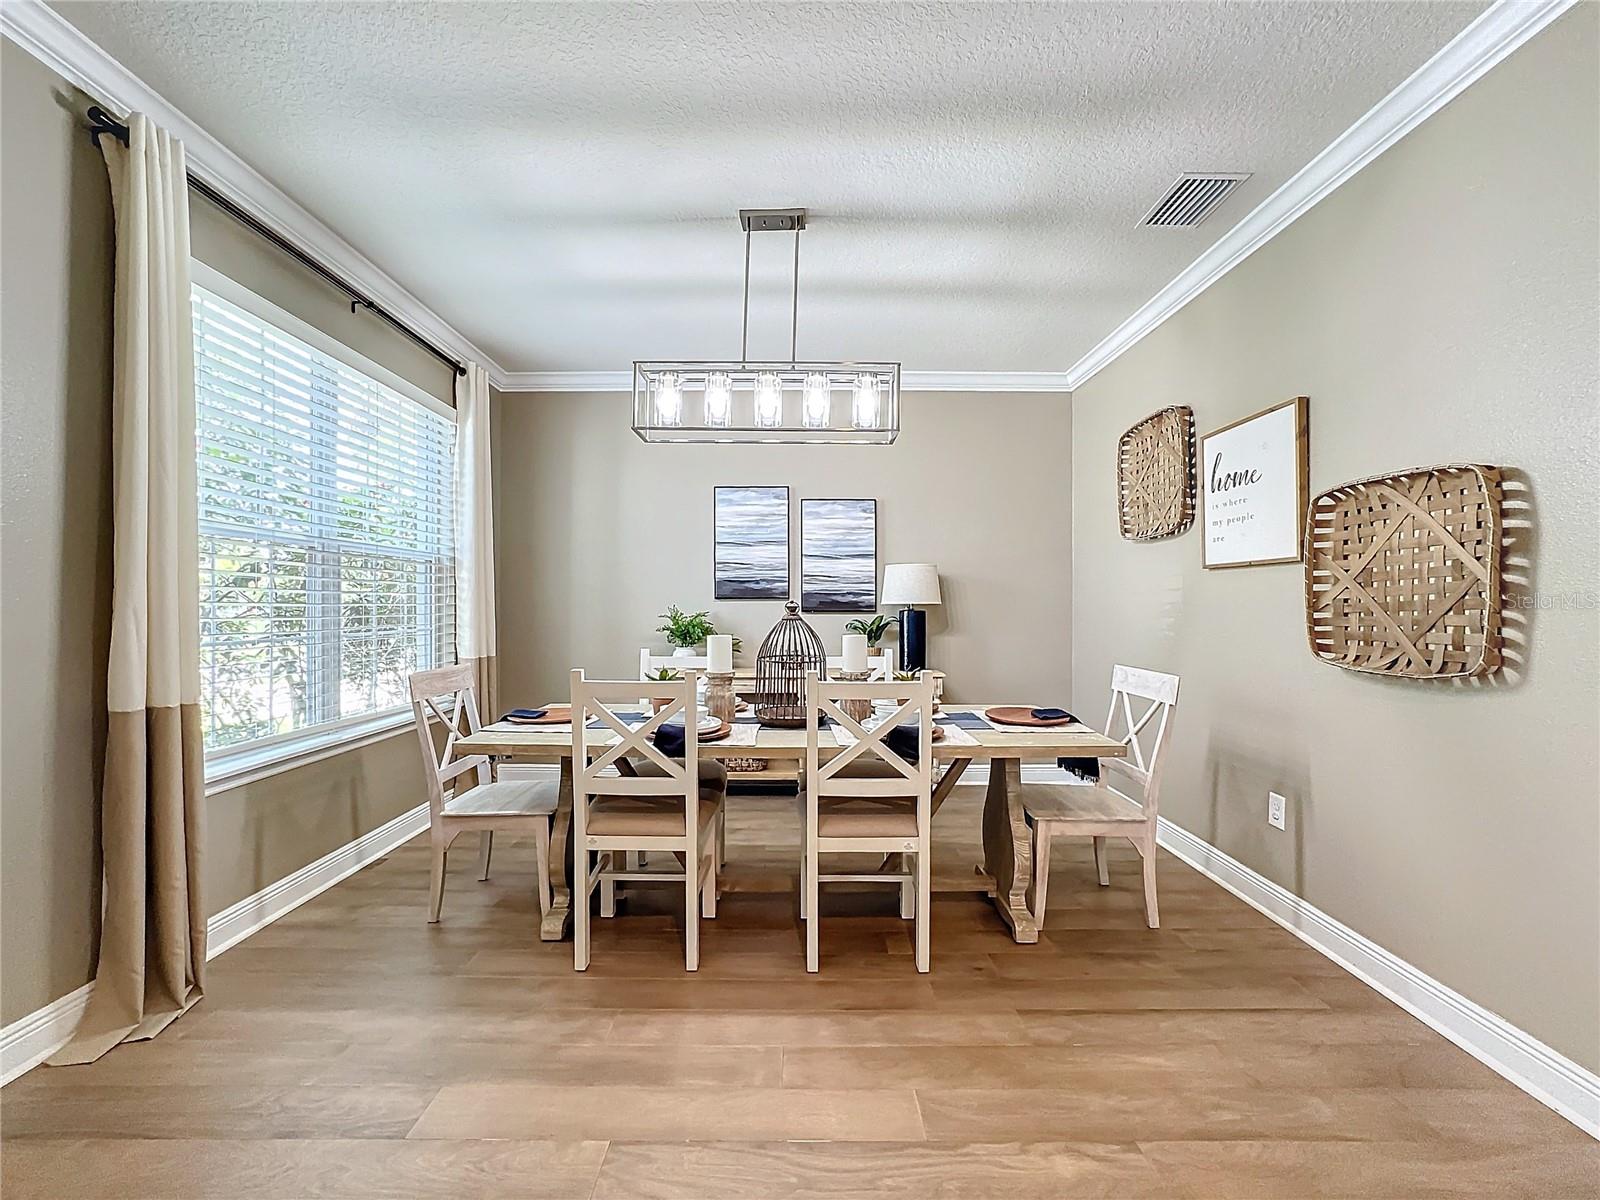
<point>664,675</point>
<point>685,629</point>
<point>907,676</point>
<point>873,629</point>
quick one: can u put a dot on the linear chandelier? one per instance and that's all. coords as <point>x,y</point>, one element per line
<point>744,401</point>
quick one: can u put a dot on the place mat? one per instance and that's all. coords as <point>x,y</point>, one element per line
<point>955,735</point>
<point>846,738</point>
<point>963,720</point>
<point>741,734</point>
<point>554,714</point>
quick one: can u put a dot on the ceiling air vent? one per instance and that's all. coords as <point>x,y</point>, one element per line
<point>1192,199</point>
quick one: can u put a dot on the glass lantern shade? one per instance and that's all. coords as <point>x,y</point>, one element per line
<point>766,402</point>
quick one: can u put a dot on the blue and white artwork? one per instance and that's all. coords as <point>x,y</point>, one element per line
<point>752,543</point>
<point>839,555</point>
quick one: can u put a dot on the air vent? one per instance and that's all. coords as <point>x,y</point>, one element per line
<point>1192,199</point>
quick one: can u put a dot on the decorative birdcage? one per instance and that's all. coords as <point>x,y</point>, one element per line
<point>790,650</point>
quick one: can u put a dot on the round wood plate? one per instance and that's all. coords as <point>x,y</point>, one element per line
<point>555,715</point>
<point>715,735</point>
<point>1023,717</point>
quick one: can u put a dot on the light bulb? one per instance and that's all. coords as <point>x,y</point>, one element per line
<point>864,412</point>
<point>769,400</point>
<point>719,399</point>
<point>814,407</point>
<point>668,399</point>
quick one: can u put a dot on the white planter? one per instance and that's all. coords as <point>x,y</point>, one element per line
<point>683,652</point>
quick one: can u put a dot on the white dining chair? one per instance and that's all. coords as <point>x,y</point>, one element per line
<point>446,695</point>
<point>658,803</point>
<point>1101,811</point>
<point>868,799</point>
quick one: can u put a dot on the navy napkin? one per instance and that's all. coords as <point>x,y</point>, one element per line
<point>906,741</point>
<point>669,740</point>
<point>1051,714</point>
<point>525,714</point>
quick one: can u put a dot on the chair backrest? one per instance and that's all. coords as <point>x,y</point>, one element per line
<point>649,663</point>
<point>447,695</point>
<point>824,778</point>
<point>877,666</point>
<point>1146,734</point>
<point>597,699</point>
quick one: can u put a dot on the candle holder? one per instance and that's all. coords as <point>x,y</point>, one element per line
<point>856,710</point>
<point>720,700</point>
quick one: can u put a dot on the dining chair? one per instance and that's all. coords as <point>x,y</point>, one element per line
<point>658,803</point>
<point>447,695</point>
<point>868,799</point>
<point>1100,811</point>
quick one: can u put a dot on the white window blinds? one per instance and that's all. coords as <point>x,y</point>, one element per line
<point>326,549</point>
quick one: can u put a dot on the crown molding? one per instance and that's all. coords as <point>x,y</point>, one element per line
<point>1494,35</point>
<point>910,381</point>
<point>62,47</point>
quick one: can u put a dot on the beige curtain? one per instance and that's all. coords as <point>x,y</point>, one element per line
<point>474,507</point>
<point>153,930</point>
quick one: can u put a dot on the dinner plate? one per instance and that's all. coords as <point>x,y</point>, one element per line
<point>1023,717</point>
<point>713,732</point>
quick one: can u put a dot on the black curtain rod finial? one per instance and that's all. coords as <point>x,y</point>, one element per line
<point>101,123</point>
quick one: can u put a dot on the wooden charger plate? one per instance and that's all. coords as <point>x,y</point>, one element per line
<point>1023,717</point>
<point>554,715</point>
<point>716,735</point>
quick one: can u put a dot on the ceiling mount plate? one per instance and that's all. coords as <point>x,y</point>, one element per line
<point>772,220</point>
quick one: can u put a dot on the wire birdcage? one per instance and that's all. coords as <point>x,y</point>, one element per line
<point>789,651</point>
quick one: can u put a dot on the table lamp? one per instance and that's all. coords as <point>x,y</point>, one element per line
<point>910,584</point>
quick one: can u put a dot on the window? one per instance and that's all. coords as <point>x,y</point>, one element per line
<point>327,564</point>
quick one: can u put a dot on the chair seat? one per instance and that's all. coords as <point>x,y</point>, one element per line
<point>1067,802</point>
<point>850,821</point>
<point>619,816</point>
<point>506,799</point>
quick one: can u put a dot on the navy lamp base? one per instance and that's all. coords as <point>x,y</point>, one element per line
<point>913,639</point>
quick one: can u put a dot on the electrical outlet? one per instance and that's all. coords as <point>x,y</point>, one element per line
<point>1276,808</point>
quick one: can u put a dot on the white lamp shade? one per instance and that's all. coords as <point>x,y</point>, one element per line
<point>910,583</point>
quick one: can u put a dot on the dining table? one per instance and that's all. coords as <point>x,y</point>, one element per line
<point>777,751</point>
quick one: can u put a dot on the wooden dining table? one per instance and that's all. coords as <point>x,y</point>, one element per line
<point>1007,869</point>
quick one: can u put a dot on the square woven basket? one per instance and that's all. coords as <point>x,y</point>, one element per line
<point>1403,573</point>
<point>1155,475</point>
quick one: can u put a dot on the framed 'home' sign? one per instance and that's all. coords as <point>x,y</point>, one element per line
<point>1253,482</point>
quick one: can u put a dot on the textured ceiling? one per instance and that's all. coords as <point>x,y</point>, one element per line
<point>560,181</point>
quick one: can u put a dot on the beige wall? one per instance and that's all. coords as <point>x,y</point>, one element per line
<point>55,542</point>
<point>1439,307</point>
<point>55,219</point>
<point>597,533</point>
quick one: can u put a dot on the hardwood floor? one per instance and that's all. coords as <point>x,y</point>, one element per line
<point>351,1050</point>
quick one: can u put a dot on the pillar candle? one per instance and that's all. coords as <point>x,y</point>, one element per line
<point>855,652</point>
<point>719,652</point>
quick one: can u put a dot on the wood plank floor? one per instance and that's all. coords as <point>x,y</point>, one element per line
<point>351,1050</point>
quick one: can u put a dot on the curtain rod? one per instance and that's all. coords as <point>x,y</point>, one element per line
<point>102,122</point>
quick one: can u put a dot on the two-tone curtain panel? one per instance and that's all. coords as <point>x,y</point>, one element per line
<point>153,934</point>
<point>475,633</point>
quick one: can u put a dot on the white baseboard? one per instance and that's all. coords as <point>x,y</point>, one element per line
<point>238,921</point>
<point>1548,1076</point>
<point>27,1042</point>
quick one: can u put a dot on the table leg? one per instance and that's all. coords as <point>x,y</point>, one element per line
<point>1007,848</point>
<point>554,926</point>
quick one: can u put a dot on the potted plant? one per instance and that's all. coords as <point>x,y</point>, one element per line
<point>873,630</point>
<point>664,675</point>
<point>686,631</point>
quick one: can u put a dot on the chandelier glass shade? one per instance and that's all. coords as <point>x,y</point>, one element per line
<point>746,401</point>
<point>766,402</point>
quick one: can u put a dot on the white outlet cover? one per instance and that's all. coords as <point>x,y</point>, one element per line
<point>1277,808</point>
